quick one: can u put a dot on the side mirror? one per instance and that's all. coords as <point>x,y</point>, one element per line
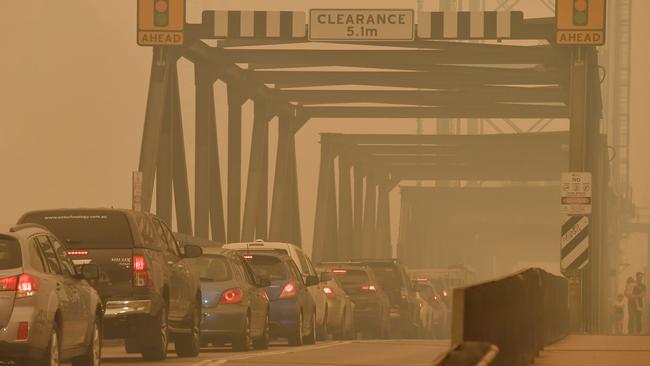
<point>90,272</point>
<point>325,277</point>
<point>192,251</point>
<point>312,281</point>
<point>263,281</point>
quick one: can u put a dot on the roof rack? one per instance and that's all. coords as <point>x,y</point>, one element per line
<point>19,227</point>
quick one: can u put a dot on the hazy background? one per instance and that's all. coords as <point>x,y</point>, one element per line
<point>73,86</point>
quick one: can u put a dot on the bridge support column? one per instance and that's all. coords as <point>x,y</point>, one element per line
<point>181,186</point>
<point>356,248</point>
<point>370,217</point>
<point>208,201</point>
<point>236,99</point>
<point>285,210</point>
<point>256,207</point>
<point>383,247</point>
<point>325,223</point>
<point>346,224</point>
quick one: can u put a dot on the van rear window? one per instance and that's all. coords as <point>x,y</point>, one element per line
<point>10,256</point>
<point>84,229</point>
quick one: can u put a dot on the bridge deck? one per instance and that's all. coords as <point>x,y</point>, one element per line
<point>577,350</point>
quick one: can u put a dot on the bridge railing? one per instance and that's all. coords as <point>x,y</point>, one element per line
<point>520,314</point>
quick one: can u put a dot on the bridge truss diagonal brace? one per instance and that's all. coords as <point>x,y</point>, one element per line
<point>255,225</point>
<point>208,197</point>
<point>326,224</point>
<point>162,155</point>
<point>285,222</point>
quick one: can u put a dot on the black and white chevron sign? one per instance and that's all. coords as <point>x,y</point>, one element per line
<point>575,243</point>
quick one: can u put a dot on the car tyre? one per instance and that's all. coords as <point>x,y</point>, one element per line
<point>322,329</point>
<point>313,334</point>
<point>189,345</point>
<point>262,342</point>
<point>93,355</point>
<point>157,338</point>
<point>296,339</point>
<point>242,343</point>
<point>52,355</point>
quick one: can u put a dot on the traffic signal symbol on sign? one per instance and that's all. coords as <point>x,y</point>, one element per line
<point>161,15</point>
<point>580,12</point>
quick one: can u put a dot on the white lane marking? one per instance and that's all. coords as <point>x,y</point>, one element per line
<point>216,362</point>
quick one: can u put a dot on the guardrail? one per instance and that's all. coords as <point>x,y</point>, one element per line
<point>520,314</point>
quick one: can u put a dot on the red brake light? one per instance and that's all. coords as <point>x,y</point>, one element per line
<point>339,271</point>
<point>329,292</point>
<point>23,331</point>
<point>248,257</point>
<point>8,284</point>
<point>422,279</point>
<point>436,298</point>
<point>445,293</point>
<point>370,288</point>
<point>26,287</point>
<point>289,291</point>
<point>232,296</point>
<point>77,252</point>
<point>140,273</point>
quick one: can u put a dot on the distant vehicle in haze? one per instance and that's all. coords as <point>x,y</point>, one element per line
<point>404,309</point>
<point>150,293</point>
<point>48,311</point>
<point>235,305</point>
<point>371,303</point>
<point>340,319</point>
<point>440,321</point>
<point>293,312</point>
<point>304,264</point>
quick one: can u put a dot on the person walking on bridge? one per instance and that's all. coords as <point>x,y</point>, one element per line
<point>632,305</point>
<point>639,295</point>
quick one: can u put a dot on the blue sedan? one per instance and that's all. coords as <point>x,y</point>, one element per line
<point>235,306</point>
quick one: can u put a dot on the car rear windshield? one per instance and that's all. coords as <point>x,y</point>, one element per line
<point>351,278</point>
<point>387,275</point>
<point>10,256</point>
<point>270,266</point>
<point>212,268</point>
<point>88,230</point>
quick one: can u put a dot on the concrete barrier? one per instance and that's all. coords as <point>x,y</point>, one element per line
<point>468,354</point>
<point>520,314</point>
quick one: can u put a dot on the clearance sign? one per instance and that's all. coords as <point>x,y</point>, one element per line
<point>580,22</point>
<point>161,22</point>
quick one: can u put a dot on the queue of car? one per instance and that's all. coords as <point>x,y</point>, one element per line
<point>70,278</point>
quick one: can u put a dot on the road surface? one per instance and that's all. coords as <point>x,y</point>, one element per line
<point>344,353</point>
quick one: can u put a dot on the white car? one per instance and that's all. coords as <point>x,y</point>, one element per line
<point>306,268</point>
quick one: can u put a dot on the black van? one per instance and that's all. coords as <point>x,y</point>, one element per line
<point>150,293</point>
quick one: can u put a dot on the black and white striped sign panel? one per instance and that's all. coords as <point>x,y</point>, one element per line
<point>255,24</point>
<point>470,25</point>
<point>574,243</point>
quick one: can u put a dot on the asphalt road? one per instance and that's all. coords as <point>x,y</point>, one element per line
<point>345,353</point>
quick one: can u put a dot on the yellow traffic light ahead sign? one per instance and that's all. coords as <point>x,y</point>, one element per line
<point>580,22</point>
<point>161,22</point>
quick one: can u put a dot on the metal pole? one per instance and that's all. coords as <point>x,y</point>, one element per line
<point>217,219</point>
<point>346,225</point>
<point>279,204</point>
<point>357,245</point>
<point>370,216</point>
<point>164,166</point>
<point>181,186</point>
<point>321,250</point>
<point>204,106</point>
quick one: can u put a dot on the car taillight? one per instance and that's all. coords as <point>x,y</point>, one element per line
<point>288,291</point>
<point>329,292</point>
<point>8,283</point>
<point>26,286</point>
<point>232,296</point>
<point>339,271</point>
<point>445,293</point>
<point>369,288</point>
<point>403,293</point>
<point>23,331</point>
<point>436,298</point>
<point>140,273</point>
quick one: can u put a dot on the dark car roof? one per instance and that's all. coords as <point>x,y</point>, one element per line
<point>86,209</point>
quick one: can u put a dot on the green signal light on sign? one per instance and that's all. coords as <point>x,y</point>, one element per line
<point>161,13</point>
<point>580,12</point>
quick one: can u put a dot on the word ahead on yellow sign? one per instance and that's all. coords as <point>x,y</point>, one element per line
<point>161,22</point>
<point>580,22</point>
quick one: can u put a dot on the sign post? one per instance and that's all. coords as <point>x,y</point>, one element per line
<point>361,25</point>
<point>580,22</point>
<point>161,22</point>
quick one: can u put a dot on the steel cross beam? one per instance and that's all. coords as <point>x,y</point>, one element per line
<point>496,110</point>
